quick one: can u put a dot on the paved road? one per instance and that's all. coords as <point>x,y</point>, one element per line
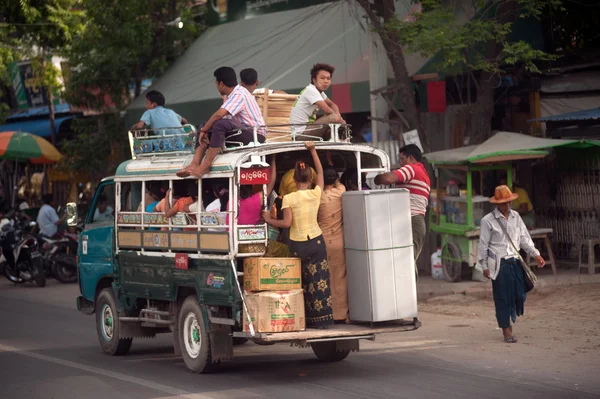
<point>50,351</point>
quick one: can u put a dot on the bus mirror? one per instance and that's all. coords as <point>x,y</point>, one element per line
<point>71,214</point>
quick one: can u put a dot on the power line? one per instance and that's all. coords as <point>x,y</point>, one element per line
<point>272,35</point>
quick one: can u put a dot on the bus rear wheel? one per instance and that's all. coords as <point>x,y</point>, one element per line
<point>194,339</point>
<point>327,351</point>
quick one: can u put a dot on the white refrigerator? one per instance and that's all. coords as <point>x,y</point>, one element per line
<point>379,255</point>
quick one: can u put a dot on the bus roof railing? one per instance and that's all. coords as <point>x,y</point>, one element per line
<point>181,140</point>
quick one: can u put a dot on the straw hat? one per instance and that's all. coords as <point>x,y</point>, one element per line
<point>503,194</point>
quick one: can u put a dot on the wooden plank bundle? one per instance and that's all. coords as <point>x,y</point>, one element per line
<point>276,110</point>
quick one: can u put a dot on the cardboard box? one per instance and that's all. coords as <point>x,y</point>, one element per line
<point>276,311</point>
<point>272,274</point>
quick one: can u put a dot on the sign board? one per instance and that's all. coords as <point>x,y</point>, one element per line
<point>252,234</point>
<point>258,175</point>
<point>27,91</point>
<point>412,137</point>
<point>181,261</point>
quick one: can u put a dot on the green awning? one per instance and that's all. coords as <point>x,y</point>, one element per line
<point>504,147</point>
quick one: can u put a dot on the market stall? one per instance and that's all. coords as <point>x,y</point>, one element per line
<point>459,202</point>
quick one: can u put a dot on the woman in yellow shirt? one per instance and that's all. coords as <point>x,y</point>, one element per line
<point>300,211</point>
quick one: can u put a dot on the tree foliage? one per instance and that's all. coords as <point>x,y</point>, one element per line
<point>460,34</point>
<point>124,43</point>
<point>36,30</point>
<point>468,37</point>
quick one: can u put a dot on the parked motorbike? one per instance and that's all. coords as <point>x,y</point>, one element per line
<point>59,255</point>
<point>28,264</point>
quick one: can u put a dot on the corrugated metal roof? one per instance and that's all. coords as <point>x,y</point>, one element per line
<point>586,115</point>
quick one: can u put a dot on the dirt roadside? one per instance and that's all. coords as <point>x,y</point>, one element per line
<point>559,335</point>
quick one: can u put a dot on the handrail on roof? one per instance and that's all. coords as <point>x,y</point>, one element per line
<point>181,140</point>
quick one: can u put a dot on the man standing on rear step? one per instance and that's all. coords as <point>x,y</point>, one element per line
<point>311,99</point>
<point>413,176</point>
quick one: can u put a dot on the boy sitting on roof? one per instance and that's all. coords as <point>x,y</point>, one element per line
<point>249,78</point>
<point>311,99</point>
<point>157,116</point>
<point>245,113</point>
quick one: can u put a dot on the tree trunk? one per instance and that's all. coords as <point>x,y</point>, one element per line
<point>138,81</point>
<point>483,110</point>
<point>484,107</point>
<point>385,10</point>
<point>51,117</point>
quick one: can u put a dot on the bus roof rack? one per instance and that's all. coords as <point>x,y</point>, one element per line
<point>181,140</point>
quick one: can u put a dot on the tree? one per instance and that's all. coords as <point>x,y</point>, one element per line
<point>38,30</point>
<point>467,37</point>
<point>124,43</point>
<point>381,14</point>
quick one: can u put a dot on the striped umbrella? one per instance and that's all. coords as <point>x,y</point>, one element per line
<point>27,147</point>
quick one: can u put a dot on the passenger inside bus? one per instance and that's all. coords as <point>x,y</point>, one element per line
<point>154,193</point>
<point>185,197</point>
<point>350,180</point>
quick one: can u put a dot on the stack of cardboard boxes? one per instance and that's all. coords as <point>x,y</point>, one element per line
<point>273,294</point>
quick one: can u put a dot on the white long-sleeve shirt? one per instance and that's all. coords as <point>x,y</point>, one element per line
<point>492,237</point>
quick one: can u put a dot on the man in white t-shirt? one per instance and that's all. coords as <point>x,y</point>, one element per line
<point>313,98</point>
<point>249,80</point>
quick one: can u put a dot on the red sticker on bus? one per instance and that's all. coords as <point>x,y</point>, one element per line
<point>181,261</point>
<point>255,176</point>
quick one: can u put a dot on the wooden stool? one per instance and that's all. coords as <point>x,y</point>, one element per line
<point>591,264</point>
<point>543,235</point>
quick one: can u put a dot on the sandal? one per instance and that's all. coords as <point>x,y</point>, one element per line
<point>510,340</point>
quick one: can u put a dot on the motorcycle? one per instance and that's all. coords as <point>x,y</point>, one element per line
<point>28,264</point>
<point>59,255</point>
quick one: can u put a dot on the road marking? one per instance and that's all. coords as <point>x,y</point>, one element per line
<point>174,393</point>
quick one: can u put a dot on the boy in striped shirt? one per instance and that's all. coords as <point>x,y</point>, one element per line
<point>239,111</point>
<point>413,176</point>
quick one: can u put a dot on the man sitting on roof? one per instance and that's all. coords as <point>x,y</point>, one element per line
<point>245,113</point>
<point>311,99</point>
<point>249,78</point>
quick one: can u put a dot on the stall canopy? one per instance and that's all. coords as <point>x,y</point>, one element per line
<point>282,47</point>
<point>502,147</point>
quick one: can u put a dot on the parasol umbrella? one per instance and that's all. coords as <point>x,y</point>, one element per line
<point>27,147</point>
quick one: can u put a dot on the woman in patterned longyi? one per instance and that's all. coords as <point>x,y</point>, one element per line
<point>300,211</point>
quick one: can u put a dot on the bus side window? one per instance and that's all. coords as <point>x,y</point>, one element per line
<point>104,206</point>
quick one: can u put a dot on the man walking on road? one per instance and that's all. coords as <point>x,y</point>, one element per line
<point>413,176</point>
<point>498,229</point>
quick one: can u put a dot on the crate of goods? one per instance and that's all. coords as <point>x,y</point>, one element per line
<point>276,311</point>
<point>274,274</point>
<point>276,109</point>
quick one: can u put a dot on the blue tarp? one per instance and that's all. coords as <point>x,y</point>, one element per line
<point>586,115</point>
<point>39,127</point>
<point>38,112</point>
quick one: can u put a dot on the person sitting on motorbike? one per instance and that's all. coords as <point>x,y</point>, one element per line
<point>48,220</point>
